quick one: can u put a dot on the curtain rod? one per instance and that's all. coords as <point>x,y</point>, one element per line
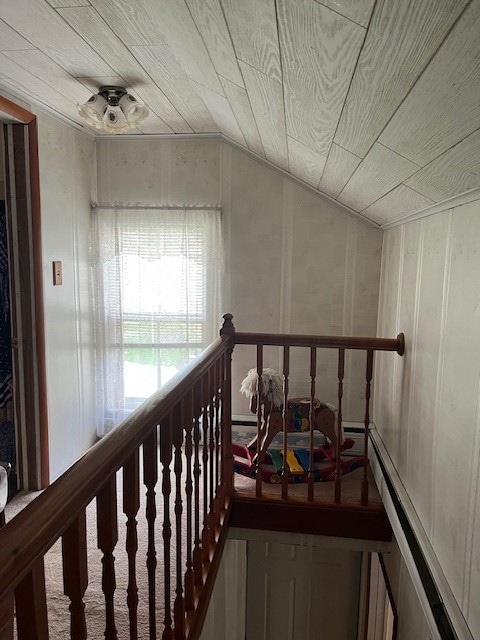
<point>172,207</point>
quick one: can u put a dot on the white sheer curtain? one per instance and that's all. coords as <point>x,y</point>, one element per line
<point>156,299</point>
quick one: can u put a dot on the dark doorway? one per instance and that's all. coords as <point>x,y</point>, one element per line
<point>25,282</point>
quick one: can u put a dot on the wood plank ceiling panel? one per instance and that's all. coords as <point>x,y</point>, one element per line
<point>68,3</point>
<point>90,26</point>
<point>222,113</point>
<point>43,27</point>
<point>153,22</point>
<point>160,64</point>
<point>357,10</point>
<point>402,38</point>
<point>51,73</point>
<point>444,105</point>
<point>319,51</point>
<point>242,109</point>
<point>379,172</point>
<point>398,203</point>
<point>305,163</point>
<point>11,40</point>
<point>27,83</point>
<point>338,170</point>
<point>455,171</point>
<point>266,98</point>
<point>253,27</point>
<point>210,21</point>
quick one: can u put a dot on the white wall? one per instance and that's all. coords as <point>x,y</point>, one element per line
<point>427,407</point>
<point>297,263</point>
<point>67,186</point>
<point>294,261</point>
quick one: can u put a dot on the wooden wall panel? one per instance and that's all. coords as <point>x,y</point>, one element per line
<point>401,40</point>
<point>435,444</point>
<point>319,52</point>
<point>443,107</point>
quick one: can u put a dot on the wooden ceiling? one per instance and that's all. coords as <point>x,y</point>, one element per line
<point>375,103</point>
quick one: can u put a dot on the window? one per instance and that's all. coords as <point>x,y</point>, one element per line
<point>156,275</point>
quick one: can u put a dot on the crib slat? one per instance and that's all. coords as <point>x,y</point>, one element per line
<point>368,377</point>
<point>313,374</point>
<point>166,458</point>
<point>337,445</point>
<point>179,604</point>
<point>75,573</point>
<point>131,505</point>
<point>261,419</point>
<point>31,604</point>
<point>285,468</point>
<point>107,536</point>
<point>150,478</point>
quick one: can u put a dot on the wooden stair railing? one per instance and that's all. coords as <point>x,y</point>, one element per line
<point>180,436</point>
<point>178,446</point>
<point>341,344</point>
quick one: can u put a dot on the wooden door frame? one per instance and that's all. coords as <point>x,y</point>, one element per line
<point>36,475</point>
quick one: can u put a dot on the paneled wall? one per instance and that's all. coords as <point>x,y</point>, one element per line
<point>294,261</point>
<point>297,263</point>
<point>68,182</point>
<point>427,407</point>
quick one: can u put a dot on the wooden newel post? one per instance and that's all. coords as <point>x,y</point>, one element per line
<point>227,330</point>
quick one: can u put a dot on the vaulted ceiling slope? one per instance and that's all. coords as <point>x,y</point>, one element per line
<point>375,103</point>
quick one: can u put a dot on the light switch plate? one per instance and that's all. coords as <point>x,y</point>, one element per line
<point>57,272</point>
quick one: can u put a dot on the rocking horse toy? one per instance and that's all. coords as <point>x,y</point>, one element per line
<point>270,400</point>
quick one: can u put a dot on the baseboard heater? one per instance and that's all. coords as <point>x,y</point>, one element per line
<point>439,613</point>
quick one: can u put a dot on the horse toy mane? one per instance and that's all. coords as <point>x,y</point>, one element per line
<point>272,386</point>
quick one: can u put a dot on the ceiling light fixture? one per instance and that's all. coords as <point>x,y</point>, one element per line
<point>113,110</point>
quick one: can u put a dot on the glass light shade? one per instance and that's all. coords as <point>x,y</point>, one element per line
<point>113,110</point>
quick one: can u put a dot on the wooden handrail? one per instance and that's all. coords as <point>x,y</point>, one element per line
<point>326,342</point>
<point>83,481</point>
<point>193,413</point>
